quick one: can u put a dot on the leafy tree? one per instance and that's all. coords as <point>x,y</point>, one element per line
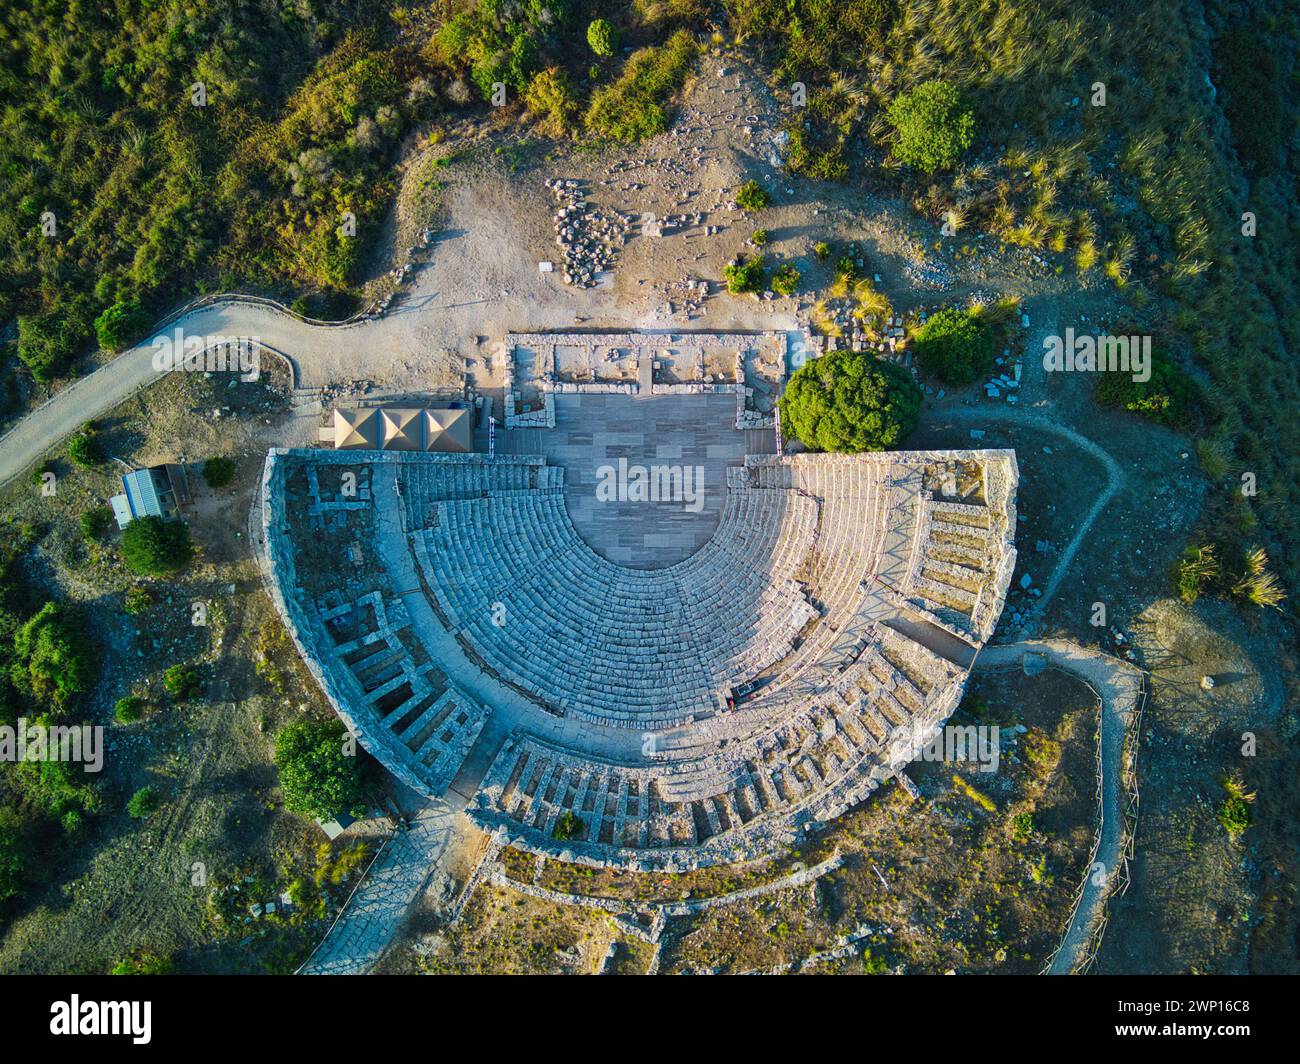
<point>933,127</point>
<point>154,547</point>
<point>848,402</point>
<point>85,451</point>
<point>143,804</point>
<point>602,37</point>
<point>318,776</point>
<point>96,523</point>
<point>745,275</point>
<point>752,197</point>
<point>957,346</point>
<point>120,323</point>
<point>219,471</point>
<point>53,659</point>
<point>47,342</point>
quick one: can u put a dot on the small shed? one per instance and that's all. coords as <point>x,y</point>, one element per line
<point>159,491</point>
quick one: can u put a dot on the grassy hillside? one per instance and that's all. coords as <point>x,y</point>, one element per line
<point>1145,191</point>
<point>153,150</point>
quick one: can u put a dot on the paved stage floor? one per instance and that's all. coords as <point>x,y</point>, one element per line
<point>595,431</point>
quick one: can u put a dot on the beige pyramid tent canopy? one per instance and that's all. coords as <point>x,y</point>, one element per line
<point>447,430</point>
<point>355,430</point>
<point>400,429</point>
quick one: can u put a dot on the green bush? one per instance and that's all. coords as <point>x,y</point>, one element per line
<point>759,238</point>
<point>752,197</point>
<point>143,804</point>
<point>1234,815</point>
<point>183,682</point>
<point>822,250</point>
<point>84,450</point>
<point>957,346</point>
<point>633,108</point>
<point>136,600</point>
<point>120,324</point>
<point>785,281</point>
<point>14,849</point>
<point>142,964</point>
<point>96,523</point>
<point>219,471</point>
<point>129,709</point>
<point>318,777</point>
<point>48,342</point>
<point>53,659</point>
<point>847,401</point>
<point>550,97</point>
<point>1196,572</point>
<point>1169,397</point>
<point>154,547</point>
<point>602,37</point>
<point>568,825</point>
<point>745,275</point>
<point>39,471</point>
<point>933,127</point>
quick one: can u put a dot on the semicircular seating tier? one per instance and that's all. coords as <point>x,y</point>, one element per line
<point>691,714</point>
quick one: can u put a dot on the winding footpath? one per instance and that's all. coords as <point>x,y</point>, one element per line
<point>1119,687</point>
<point>1114,480</point>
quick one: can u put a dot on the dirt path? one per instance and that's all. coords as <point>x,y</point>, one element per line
<point>1114,481</point>
<point>1119,686</point>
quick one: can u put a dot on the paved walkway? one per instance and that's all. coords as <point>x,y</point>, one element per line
<point>1119,686</point>
<point>375,912</point>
